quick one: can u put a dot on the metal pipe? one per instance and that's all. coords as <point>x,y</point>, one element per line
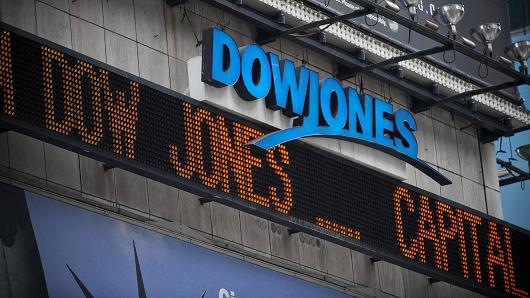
<point>352,15</point>
<point>397,59</point>
<point>511,167</point>
<point>477,92</point>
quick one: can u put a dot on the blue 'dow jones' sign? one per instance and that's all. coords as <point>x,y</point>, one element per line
<point>320,107</point>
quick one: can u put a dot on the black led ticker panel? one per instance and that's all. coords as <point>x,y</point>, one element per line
<point>70,100</point>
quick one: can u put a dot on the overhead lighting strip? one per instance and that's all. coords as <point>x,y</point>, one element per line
<point>359,39</point>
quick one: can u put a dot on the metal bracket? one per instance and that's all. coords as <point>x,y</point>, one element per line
<point>450,99</point>
<point>292,231</point>
<point>270,37</point>
<point>374,260</point>
<point>433,280</point>
<point>203,200</point>
<point>107,166</point>
<point>418,54</point>
<point>486,136</point>
<point>508,165</point>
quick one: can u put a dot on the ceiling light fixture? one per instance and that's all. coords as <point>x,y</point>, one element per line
<point>486,34</point>
<point>449,15</point>
<point>519,51</point>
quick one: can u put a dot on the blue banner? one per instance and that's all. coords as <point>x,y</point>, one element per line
<point>86,254</point>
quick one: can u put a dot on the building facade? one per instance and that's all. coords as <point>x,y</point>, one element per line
<point>154,41</point>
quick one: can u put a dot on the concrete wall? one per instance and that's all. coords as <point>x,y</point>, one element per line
<point>149,39</point>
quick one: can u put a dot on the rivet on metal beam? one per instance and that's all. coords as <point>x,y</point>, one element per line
<point>292,231</point>
<point>203,200</point>
<point>374,260</point>
<point>433,280</point>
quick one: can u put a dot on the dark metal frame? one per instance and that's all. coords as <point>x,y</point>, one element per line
<point>447,44</point>
<point>523,176</point>
<point>453,44</point>
<point>466,94</point>
<point>207,194</point>
<point>421,96</point>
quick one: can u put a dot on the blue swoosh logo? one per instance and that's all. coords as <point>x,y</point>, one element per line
<point>273,139</point>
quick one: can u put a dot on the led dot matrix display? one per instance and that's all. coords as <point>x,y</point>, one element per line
<point>56,96</point>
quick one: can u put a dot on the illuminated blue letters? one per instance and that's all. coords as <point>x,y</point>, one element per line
<point>361,111</point>
<point>334,112</point>
<point>288,95</point>
<point>321,108</point>
<point>223,59</point>
<point>406,143</point>
<point>382,123</point>
<point>255,80</point>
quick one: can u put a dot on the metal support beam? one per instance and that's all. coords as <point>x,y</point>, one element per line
<point>479,91</point>
<point>449,99</point>
<point>351,15</point>
<point>266,38</point>
<point>508,165</point>
<point>513,180</point>
<point>418,54</point>
<point>486,137</point>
